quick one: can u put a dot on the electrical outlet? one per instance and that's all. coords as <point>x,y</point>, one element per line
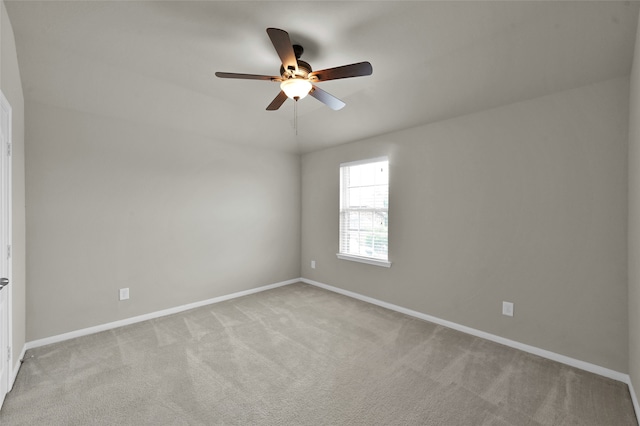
<point>507,309</point>
<point>313,264</point>
<point>124,293</point>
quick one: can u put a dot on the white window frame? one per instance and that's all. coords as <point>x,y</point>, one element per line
<point>347,256</point>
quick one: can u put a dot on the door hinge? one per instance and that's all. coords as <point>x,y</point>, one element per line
<point>8,252</point>
<point>8,353</point>
<point>9,149</point>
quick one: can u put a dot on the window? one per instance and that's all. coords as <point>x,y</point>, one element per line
<point>364,211</point>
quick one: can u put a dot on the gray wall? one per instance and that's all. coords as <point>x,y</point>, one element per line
<point>175,217</point>
<point>524,203</point>
<point>11,86</point>
<point>634,221</point>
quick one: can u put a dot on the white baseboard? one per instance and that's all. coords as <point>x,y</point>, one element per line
<point>16,368</point>
<point>115,324</point>
<point>602,371</point>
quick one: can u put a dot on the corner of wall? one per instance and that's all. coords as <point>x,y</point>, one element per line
<point>634,227</point>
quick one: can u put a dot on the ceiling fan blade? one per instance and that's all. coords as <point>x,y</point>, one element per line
<point>247,76</point>
<point>282,44</point>
<point>277,102</point>
<point>326,98</point>
<point>346,71</point>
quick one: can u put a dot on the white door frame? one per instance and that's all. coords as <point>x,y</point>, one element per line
<point>5,248</point>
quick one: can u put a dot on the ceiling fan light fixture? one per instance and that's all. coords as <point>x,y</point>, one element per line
<point>296,88</point>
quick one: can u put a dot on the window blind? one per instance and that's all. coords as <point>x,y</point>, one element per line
<point>364,208</point>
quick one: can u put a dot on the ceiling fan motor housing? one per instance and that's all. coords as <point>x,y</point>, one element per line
<point>304,69</point>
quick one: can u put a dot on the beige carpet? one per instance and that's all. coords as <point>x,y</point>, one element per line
<point>299,355</point>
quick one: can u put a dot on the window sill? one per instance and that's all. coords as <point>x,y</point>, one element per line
<point>367,260</point>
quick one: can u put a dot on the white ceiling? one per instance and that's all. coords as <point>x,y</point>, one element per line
<point>153,62</point>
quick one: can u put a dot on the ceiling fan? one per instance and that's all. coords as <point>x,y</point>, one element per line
<point>296,76</point>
